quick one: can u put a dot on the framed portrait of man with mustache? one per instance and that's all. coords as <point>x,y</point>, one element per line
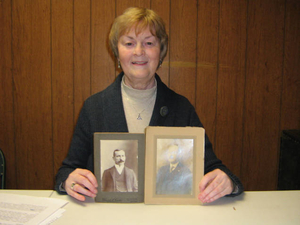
<point>119,166</point>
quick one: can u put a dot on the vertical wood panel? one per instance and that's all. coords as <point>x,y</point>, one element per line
<point>6,94</point>
<point>231,82</point>
<point>121,5</point>
<point>62,78</point>
<point>207,57</point>
<point>291,77</point>
<point>183,32</point>
<point>262,102</point>
<point>162,8</point>
<point>103,67</point>
<point>32,94</point>
<point>82,53</point>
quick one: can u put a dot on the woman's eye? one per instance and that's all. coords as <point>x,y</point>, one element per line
<point>149,43</point>
<point>128,44</point>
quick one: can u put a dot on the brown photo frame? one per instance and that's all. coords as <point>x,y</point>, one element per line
<point>179,147</point>
<point>126,186</point>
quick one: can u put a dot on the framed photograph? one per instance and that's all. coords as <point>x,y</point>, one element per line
<point>174,165</point>
<point>119,164</point>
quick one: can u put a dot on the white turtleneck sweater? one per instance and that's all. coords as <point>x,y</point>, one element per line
<point>138,107</point>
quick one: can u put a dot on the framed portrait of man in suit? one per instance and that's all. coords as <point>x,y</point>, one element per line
<point>119,167</point>
<point>174,164</point>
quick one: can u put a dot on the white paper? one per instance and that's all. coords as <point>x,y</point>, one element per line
<point>53,217</point>
<point>23,209</point>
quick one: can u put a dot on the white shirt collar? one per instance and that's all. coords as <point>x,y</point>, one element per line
<point>119,168</point>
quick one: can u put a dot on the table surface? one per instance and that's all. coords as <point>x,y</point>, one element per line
<point>265,207</point>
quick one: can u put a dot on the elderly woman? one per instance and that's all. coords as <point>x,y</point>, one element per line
<point>137,99</point>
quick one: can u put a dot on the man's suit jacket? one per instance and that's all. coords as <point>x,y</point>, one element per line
<point>109,182</point>
<point>104,112</point>
<point>179,181</point>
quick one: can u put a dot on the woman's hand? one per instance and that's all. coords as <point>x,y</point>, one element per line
<point>81,182</point>
<point>214,185</point>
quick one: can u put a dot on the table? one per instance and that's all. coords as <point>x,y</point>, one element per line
<point>35,193</point>
<point>264,207</point>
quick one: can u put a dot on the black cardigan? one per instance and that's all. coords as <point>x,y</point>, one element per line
<point>103,112</point>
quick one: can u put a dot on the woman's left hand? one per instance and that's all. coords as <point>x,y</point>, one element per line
<point>214,185</point>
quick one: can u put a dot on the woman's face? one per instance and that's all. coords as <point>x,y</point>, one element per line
<point>139,57</point>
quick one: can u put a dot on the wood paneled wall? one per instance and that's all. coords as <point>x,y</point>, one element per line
<point>236,61</point>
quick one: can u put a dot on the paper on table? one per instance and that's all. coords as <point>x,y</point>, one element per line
<point>53,217</point>
<point>22,209</point>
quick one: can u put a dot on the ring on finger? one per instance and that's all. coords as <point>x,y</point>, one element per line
<point>72,185</point>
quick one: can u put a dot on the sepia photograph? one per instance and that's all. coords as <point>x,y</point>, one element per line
<point>119,164</point>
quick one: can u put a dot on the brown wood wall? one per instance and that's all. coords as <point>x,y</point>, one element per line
<point>237,62</point>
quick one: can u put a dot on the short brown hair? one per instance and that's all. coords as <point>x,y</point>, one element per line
<point>140,18</point>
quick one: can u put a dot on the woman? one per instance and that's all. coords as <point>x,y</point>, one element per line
<point>136,99</point>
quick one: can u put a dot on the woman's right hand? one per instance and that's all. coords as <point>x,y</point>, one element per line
<point>81,182</point>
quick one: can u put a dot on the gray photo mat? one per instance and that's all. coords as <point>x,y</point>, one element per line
<point>104,144</point>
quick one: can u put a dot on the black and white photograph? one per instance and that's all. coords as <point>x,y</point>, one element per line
<point>174,167</point>
<point>119,164</point>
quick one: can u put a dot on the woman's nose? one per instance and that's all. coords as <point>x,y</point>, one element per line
<point>139,49</point>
